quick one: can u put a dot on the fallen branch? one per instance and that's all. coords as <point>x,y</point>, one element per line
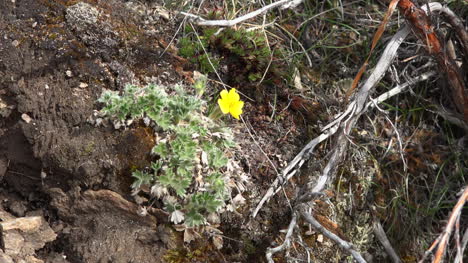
<point>459,257</point>
<point>400,88</point>
<point>228,23</point>
<point>287,240</point>
<point>382,237</point>
<point>421,25</point>
<point>340,242</point>
<point>354,108</point>
<point>458,26</point>
<point>441,242</point>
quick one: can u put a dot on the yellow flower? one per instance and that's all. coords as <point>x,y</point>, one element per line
<point>230,103</point>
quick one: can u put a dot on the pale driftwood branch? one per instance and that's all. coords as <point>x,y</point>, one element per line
<point>400,88</point>
<point>287,240</point>
<point>341,243</point>
<point>355,108</point>
<point>459,257</point>
<point>382,237</point>
<point>228,23</point>
<point>441,242</point>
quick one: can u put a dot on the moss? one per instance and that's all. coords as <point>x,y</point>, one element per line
<point>246,53</point>
<point>249,247</point>
<point>89,148</point>
<point>205,253</point>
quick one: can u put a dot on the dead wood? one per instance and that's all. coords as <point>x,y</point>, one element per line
<point>422,27</point>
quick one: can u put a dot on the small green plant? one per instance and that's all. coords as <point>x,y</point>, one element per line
<point>189,172</point>
<point>247,51</point>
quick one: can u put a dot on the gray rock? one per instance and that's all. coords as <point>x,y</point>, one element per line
<point>81,15</point>
<point>18,208</point>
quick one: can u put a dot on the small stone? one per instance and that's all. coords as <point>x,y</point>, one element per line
<point>147,121</point>
<point>81,15</point>
<point>18,208</point>
<point>15,43</point>
<point>23,236</point>
<point>25,224</point>
<point>34,24</point>
<point>83,85</point>
<point>5,110</point>
<point>98,122</point>
<point>320,238</point>
<point>26,118</point>
<point>68,73</point>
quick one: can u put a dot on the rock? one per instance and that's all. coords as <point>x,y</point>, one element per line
<point>320,238</point>
<point>5,258</point>
<point>21,237</point>
<point>15,43</point>
<point>94,32</point>
<point>5,109</point>
<point>81,15</point>
<point>26,118</point>
<point>17,208</point>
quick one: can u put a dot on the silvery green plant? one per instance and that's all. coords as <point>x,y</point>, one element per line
<point>189,170</point>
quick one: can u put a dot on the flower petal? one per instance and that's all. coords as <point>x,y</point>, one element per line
<point>233,95</point>
<point>224,94</point>
<point>224,105</point>
<point>236,109</point>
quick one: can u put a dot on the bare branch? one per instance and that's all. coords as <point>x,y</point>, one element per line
<point>459,257</point>
<point>355,108</point>
<point>380,233</point>
<point>441,242</point>
<point>287,240</point>
<point>343,244</point>
<point>400,88</point>
<point>228,23</point>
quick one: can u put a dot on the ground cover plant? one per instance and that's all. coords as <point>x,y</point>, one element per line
<point>246,53</point>
<point>189,172</point>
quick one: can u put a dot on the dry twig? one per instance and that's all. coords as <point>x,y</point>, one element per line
<point>441,242</point>
<point>342,243</point>
<point>421,26</point>
<point>356,107</point>
<point>459,257</point>
<point>228,23</point>
<point>287,240</point>
<point>380,233</point>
